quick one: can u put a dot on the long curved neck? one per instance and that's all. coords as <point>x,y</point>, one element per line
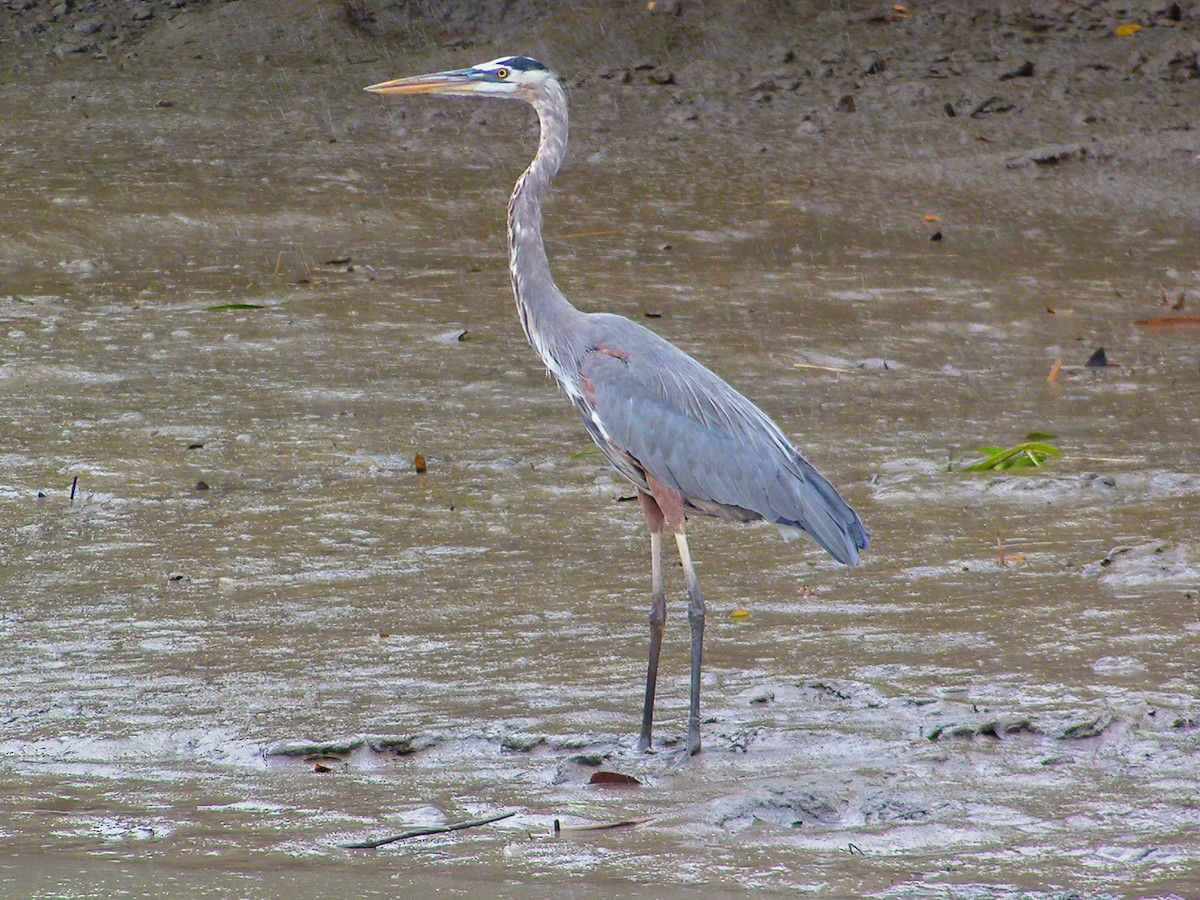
<point>546,315</point>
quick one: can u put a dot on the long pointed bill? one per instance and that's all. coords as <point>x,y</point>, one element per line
<point>457,82</point>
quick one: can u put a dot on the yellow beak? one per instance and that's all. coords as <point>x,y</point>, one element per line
<point>457,82</point>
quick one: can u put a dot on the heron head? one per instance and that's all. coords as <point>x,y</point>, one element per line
<point>515,77</point>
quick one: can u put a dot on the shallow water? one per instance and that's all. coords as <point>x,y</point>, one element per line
<point>174,658</point>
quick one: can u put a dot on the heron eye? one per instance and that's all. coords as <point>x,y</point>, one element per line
<point>502,74</point>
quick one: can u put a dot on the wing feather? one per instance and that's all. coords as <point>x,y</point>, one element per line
<point>649,402</point>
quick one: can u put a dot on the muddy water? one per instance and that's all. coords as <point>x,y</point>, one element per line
<point>207,690</point>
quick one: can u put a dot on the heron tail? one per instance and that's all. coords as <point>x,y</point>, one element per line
<point>816,509</point>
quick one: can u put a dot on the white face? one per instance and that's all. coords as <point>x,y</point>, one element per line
<point>515,77</point>
<point>508,75</point>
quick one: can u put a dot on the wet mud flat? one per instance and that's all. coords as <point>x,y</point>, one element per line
<point>238,629</point>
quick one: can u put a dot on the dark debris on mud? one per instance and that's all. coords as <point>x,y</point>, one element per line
<point>1061,93</point>
<point>972,60</point>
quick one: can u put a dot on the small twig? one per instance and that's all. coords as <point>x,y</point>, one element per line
<point>74,484</point>
<point>421,832</point>
<point>583,234</point>
<point>821,368</point>
<point>601,826</point>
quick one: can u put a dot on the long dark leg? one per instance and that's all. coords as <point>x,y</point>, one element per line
<point>696,621</point>
<point>658,613</point>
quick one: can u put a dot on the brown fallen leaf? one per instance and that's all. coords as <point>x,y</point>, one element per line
<point>612,778</point>
<point>419,464</point>
<point>1054,370</point>
<point>1170,320</point>
<point>1060,312</point>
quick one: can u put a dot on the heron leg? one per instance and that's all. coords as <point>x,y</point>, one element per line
<point>658,612</point>
<point>696,621</point>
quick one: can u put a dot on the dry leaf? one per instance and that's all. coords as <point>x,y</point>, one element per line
<point>1127,30</point>
<point>930,219</point>
<point>1170,320</point>
<point>1178,302</point>
<point>419,464</point>
<point>612,778</point>
<point>1054,369</point>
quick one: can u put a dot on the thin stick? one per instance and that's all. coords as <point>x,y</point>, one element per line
<point>74,484</point>
<point>583,234</point>
<point>600,826</point>
<point>821,368</point>
<point>421,832</point>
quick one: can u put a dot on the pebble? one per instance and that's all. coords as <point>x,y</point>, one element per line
<point>665,7</point>
<point>1050,155</point>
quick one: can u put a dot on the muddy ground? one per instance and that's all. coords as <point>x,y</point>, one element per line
<point>1004,110</point>
<point>238,297</point>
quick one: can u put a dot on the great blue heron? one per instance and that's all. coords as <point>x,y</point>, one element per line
<point>688,442</point>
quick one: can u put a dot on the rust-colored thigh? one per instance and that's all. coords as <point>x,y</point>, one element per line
<point>650,509</point>
<point>670,504</point>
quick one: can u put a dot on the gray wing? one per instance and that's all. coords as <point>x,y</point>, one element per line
<point>652,408</point>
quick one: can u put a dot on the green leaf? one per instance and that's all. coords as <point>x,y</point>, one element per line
<point>1045,449</point>
<point>1027,455</point>
<point>1039,436</point>
<point>991,462</point>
